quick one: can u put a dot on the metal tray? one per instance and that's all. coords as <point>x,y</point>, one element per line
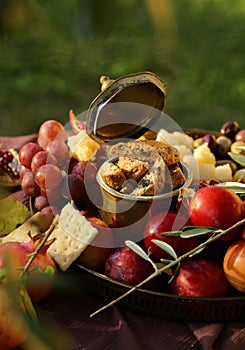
<point>167,306</point>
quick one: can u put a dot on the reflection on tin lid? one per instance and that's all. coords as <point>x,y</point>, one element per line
<point>127,107</point>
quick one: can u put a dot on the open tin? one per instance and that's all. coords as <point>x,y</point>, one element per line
<point>126,109</point>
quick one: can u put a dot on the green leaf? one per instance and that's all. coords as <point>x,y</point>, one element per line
<point>196,231</point>
<point>175,274</point>
<point>197,252</point>
<point>234,186</point>
<point>30,310</point>
<point>49,271</point>
<point>166,261</point>
<point>12,214</point>
<point>137,249</point>
<point>166,247</point>
<point>238,158</point>
<point>3,273</point>
<point>171,233</point>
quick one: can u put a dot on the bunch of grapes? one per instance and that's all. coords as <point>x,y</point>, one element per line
<point>49,173</point>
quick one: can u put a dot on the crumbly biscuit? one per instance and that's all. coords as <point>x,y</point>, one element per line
<point>153,181</point>
<point>146,150</point>
<point>133,168</point>
<point>113,176</point>
<point>168,153</point>
<point>177,176</point>
<point>146,162</point>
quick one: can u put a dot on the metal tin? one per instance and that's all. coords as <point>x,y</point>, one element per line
<point>120,210</point>
<point>126,107</point>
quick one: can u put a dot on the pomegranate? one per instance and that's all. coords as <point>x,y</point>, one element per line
<point>41,272</point>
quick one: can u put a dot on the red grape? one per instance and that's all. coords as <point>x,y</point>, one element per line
<point>55,197</point>
<point>48,176</point>
<point>87,170</point>
<point>27,152</point>
<point>29,185</point>
<point>41,202</point>
<point>41,158</point>
<point>59,150</point>
<point>23,170</point>
<point>49,131</point>
<point>73,187</point>
<point>50,211</point>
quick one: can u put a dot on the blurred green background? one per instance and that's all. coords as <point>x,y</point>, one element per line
<point>52,54</point>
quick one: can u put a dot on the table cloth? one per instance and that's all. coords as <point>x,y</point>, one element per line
<point>71,303</point>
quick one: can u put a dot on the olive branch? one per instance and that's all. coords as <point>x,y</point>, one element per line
<point>216,235</point>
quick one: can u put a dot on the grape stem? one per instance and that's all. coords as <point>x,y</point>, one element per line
<point>216,235</point>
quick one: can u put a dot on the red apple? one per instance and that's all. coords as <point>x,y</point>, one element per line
<point>202,278</point>
<point>95,255</point>
<point>217,207</point>
<point>166,222</point>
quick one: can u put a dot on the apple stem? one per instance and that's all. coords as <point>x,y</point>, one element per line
<point>218,234</point>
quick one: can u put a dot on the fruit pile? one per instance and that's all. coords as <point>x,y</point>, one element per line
<point>55,171</point>
<point>50,175</point>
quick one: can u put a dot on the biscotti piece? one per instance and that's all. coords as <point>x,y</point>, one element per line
<point>169,154</point>
<point>154,180</point>
<point>146,150</point>
<point>113,176</point>
<point>177,176</point>
<point>136,150</point>
<point>133,168</point>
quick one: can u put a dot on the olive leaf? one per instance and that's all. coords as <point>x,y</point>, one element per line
<point>171,233</point>
<point>237,187</point>
<point>217,235</point>
<point>138,250</point>
<point>166,247</point>
<point>189,231</point>
<point>238,158</point>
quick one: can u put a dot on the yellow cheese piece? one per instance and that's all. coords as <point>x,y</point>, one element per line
<point>82,147</point>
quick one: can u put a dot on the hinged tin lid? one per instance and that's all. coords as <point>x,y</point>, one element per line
<point>126,108</point>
